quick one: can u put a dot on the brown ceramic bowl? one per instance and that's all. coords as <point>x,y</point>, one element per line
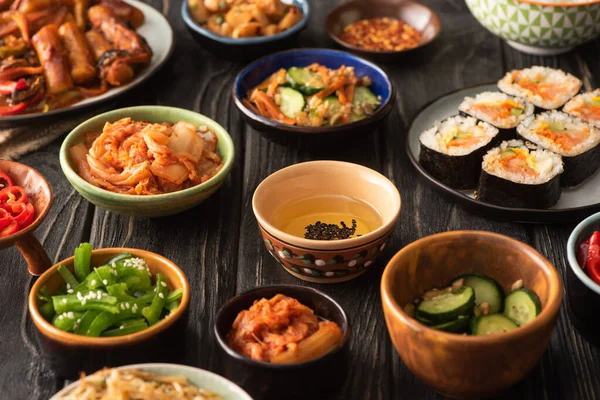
<point>69,353</point>
<point>468,366</point>
<point>413,13</point>
<point>40,196</point>
<point>325,261</point>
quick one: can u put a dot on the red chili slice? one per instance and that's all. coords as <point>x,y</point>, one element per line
<point>5,180</point>
<point>20,212</point>
<point>13,227</point>
<point>5,218</point>
<point>592,264</point>
<point>13,194</point>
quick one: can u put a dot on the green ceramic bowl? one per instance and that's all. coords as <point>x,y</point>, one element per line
<point>227,390</point>
<point>539,27</point>
<point>151,205</point>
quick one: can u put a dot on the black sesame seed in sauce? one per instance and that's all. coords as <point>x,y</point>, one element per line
<point>322,231</point>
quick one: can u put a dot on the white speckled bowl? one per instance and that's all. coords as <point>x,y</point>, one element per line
<point>539,28</point>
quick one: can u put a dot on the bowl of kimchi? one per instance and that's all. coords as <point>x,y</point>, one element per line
<point>147,161</point>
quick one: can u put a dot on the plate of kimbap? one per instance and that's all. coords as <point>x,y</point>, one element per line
<point>526,148</point>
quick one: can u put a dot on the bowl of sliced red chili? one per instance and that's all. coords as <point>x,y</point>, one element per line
<point>25,198</point>
<point>382,29</point>
<point>583,278</point>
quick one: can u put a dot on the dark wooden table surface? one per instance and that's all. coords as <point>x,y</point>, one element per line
<point>218,244</point>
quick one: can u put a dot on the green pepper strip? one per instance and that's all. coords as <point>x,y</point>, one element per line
<point>118,257</point>
<point>119,290</point>
<point>63,322</point>
<point>68,277</point>
<point>47,311</point>
<point>71,302</point>
<point>174,295</point>
<point>83,257</point>
<point>44,294</point>
<point>153,311</point>
<point>126,330</point>
<point>105,320</point>
<point>86,321</point>
<point>172,306</point>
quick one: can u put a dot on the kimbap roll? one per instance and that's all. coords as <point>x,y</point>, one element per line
<point>585,106</point>
<point>499,110</point>
<point>544,87</point>
<point>451,150</point>
<point>516,174</point>
<point>575,140</point>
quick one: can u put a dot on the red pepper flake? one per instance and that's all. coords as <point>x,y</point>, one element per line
<point>381,34</point>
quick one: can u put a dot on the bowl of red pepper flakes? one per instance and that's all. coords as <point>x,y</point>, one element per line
<point>583,278</point>
<point>25,199</point>
<point>382,29</point>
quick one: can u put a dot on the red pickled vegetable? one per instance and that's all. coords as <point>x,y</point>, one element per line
<point>13,194</point>
<point>5,180</point>
<point>592,262</point>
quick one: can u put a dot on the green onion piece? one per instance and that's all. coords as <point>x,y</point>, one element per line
<point>153,311</point>
<point>86,320</point>
<point>72,283</point>
<point>83,257</point>
<point>119,290</point>
<point>174,295</point>
<point>44,294</point>
<point>66,321</point>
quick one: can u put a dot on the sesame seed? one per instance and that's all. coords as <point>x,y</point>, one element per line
<point>122,306</point>
<point>68,286</point>
<point>164,284</point>
<point>105,282</point>
<point>127,305</point>
<point>93,282</point>
<point>65,301</point>
<point>70,291</point>
<point>162,296</point>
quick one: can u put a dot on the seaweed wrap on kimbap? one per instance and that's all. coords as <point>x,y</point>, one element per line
<point>518,174</point>
<point>575,140</point>
<point>546,88</point>
<point>586,107</point>
<point>451,150</point>
<point>499,110</point>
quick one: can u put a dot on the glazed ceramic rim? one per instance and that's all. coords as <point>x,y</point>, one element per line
<point>148,366</point>
<point>72,339</point>
<point>257,40</point>
<point>282,290</point>
<point>336,245</point>
<point>40,217</point>
<point>548,312</point>
<point>573,244</point>
<point>185,115</point>
<point>338,40</point>
<point>563,5</point>
<point>379,114</point>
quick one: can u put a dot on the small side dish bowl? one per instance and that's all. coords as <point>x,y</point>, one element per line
<point>261,69</point>
<point>147,205</point>
<point>468,366</point>
<point>419,16</point>
<point>40,196</point>
<point>326,261</point>
<point>538,27</point>
<point>69,353</point>
<point>246,48</point>
<point>583,294</point>
<point>264,380</point>
<point>200,378</point>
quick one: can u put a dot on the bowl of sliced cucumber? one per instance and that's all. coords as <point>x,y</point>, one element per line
<point>470,312</point>
<point>313,93</point>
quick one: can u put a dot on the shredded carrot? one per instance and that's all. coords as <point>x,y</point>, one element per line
<point>324,74</point>
<point>277,79</point>
<point>251,106</point>
<point>23,25</point>
<point>341,96</point>
<point>272,108</point>
<point>350,92</point>
<point>337,84</point>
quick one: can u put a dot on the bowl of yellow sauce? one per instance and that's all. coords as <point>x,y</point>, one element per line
<point>326,221</point>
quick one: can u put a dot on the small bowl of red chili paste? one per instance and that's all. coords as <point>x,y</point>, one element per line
<point>276,336</point>
<point>382,29</point>
<point>583,278</point>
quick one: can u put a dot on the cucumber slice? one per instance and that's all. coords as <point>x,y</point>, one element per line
<point>517,111</point>
<point>334,104</point>
<point>596,101</point>
<point>491,324</point>
<point>459,325</point>
<point>424,321</point>
<point>557,126</point>
<point>305,81</point>
<point>292,102</point>
<point>486,290</point>
<point>447,306</point>
<point>522,306</point>
<point>363,96</point>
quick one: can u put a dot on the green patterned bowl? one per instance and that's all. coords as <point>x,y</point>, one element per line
<point>152,205</point>
<point>539,28</point>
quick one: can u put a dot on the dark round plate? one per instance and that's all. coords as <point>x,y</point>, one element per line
<point>574,204</point>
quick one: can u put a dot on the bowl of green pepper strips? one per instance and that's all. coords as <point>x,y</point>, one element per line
<point>108,306</point>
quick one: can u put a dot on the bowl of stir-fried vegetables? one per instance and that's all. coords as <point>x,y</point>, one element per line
<point>313,92</point>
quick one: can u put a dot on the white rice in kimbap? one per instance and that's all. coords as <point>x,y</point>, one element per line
<point>585,106</point>
<point>458,136</point>
<point>498,109</point>
<point>544,87</point>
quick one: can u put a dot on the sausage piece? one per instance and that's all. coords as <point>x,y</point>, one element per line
<point>80,55</point>
<point>52,57</point>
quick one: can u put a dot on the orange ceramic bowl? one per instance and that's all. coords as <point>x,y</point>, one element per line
<point>70,353</point>
<point>468,366</point>
<point>320,260</point>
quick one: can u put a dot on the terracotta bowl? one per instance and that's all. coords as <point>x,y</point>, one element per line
<point>468,366</point>
<point>318,378</point>
<point>413,13</point>
<point>40,195</point>
<point>69,354</point>
<point>319,260</point>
